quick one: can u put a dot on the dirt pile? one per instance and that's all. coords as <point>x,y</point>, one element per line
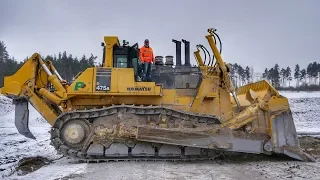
<point>310,145</point>
<point>30,164</point>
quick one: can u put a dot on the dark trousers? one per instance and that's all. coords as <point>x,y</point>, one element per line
<point>146,71</point>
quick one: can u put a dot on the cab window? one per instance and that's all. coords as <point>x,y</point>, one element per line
<point>122,61</point>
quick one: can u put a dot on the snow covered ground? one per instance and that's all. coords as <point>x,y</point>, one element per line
<point>13,147</point>
<point>305,107</point>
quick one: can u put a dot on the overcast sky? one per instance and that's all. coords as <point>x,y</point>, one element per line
<point>254,33</point>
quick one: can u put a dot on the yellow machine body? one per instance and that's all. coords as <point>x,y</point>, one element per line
<point>253,119</point>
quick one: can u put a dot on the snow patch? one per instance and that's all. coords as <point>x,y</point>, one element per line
<point>14,146</point>
<point>5,105</point>
<point>305,110</point>
<point>297,95</point>
<point>61,168</point>
<point>306,114</point>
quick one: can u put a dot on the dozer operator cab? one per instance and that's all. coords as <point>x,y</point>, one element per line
<point>122,56</point>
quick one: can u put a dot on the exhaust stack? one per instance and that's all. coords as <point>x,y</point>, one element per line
<point>178,52</point>
<point>186,52</point>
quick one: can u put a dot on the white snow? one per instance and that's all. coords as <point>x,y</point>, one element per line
<point>59,169</point>
<point>302,94</point>
<point>13,146</point>
<point>305,108</point>
<point>6,105</point>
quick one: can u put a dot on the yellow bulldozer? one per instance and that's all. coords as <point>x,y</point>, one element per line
<point>184,113</point>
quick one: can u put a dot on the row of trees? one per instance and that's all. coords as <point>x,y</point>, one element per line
<point>305,78</point>
<point>240,75</point>
<point>281,78</point>
<point>67,65</point>
<point>8,65</point>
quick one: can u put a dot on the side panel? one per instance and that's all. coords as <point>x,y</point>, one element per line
<point>103,80</point>
<point>125,79</point>
<point>83,84</point>
<point>120,81</point>
<point>111,82</point>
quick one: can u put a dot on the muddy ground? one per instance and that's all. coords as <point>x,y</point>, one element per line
<point>310,145</point>
<point>226,167</point>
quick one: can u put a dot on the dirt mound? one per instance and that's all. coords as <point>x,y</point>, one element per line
<point>30,164</point>
<point>310,145</point>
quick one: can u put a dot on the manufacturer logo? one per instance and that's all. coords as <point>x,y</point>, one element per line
<point>139,89</point>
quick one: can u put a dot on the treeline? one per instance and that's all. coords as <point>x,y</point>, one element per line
<point>300,79</point>
<point>241,76</point>
<point>67,65</point>
<point>304,79</point>
<point>8,65</point>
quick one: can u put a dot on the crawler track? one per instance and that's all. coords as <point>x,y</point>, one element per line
<point>137,151</point>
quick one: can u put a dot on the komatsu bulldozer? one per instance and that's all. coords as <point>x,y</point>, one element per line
<point>184,113</point>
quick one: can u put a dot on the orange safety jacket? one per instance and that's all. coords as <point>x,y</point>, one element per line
<point>146,54</point>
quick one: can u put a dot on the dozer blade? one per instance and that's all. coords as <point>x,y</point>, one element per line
<point>285,139</point>
<point>274,118</point>
<point>22,118</point>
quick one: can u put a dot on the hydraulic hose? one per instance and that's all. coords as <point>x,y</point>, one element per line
<point>205,55</point>
<point>210,60</point>
<point>220,43</point>
<point>204,49</point>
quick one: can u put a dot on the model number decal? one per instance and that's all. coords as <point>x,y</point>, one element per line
<point>102,88</point>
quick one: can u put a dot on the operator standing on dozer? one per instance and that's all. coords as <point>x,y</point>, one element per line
<point>147,59</point>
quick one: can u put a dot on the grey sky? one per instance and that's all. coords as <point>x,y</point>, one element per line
<point>254,33</point>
